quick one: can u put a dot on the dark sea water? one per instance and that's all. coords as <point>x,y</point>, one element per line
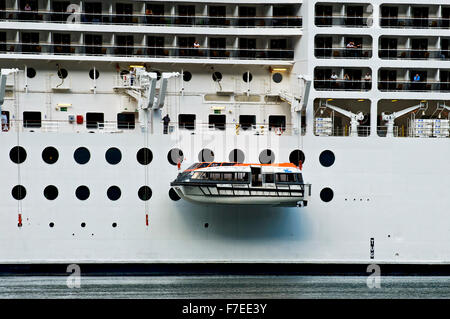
<point>192,287</point>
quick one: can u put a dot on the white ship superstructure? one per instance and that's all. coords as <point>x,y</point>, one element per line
<point>105,102</point>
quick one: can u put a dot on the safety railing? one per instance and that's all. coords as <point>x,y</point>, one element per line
<point>145,51</point>
<point>419,23</point>
<point>382,131</point>
<point>413,54</point>
<point>231,128</point>
<point>330,130</point>
<point>152,19</point>
<point>49,126</point>
<point>343,85</point>
<point>414,86</point>
<point>343,53</point>
<point>344,21</point>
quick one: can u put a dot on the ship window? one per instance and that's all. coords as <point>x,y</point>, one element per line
<point>91,74</point>
<point>173,195</point>
<point>247,77</point>
<point>82,155</point>
<point>269,178</point>
<point>186,121</point>
<point>31,73</point>
<point>193,166</point>
<point>285,178</point>
<point>228,164</point>
<point>327,158</point>
<point>227,177</point>
<point>214,164</point>
<point>299,178</point>
<point>144,156</point>
<point>50,155</point>
<point>62,73</point>
<point>51,192</point>
<point>125,121</point>
<point>297,156</point>
<point>277,77</point>
<point>113,156</point>
<point>82,192</point>
<point>326,194</point>
<point>32,119</point>
<point>236,156</point>
<point>93,120</point>
<point>277,121</point>
<point>199,175</point>
<point>267,157</point>
<point>247,121</point>
<point>18,154</point>
<point>145,193</point>
<point>217,76</point>
<point>114,193</point>
<point>175,156</point>
<point>206,155</point>
<point>187,76</point>
<point>217,121</point>
<point>202,165</point>
<point>19,192</point>
<point>241,177</point>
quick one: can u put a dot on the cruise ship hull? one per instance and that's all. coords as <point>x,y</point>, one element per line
<point>390,204</point>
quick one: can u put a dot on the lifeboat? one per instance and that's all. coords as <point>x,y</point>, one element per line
<point>243,184</point>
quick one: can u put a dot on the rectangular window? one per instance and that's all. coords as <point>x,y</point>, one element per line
<point>277,121</point>
<point>155,46</point>
<point>93,43</point>
<point>93,12</point>
<point>94,119</point>
<point>186,121</point>
<point>269,178</point>
<point>247,121</point>
<point>61,43</point>
<point>32,119</point>
<point>126,121</point>
<point>217,121</point>
<point>125,44</point>
<point>60,10</point>
<point>285,178</point>
<point>124,12</point>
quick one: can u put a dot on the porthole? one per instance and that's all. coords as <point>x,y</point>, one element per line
<point>51,192</point>
<point>206,155</point>
<point>50,155</point>
<point>82,155</point>
<point>237,156</point>
<point>113,156</point>
<point>91,74</point>
<point>114,193</point>
<point>187,76</point>
<point>51,225</point>
<point>19,192</point>
<point>18,154</point>
<point>82,192</point>
<point>62,73</point>
<point>277,77</point>
<point>326,194</point>
<point>247,77</point>
<point>217,76</point>
<point>266,157</point>
<point>173,195</point>
<point>175,156</point>
<point>145,193</point>
<point>31,73</point>
<point>297,156</point>
<point>144,156</point>
<point>327,158</point>
<point>83,225</point>
<point>114,225</point>
<point>206,225</point>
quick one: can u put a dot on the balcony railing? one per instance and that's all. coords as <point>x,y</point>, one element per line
<point>345,21</point>
<point>146,51</point>
<point>409,22</point>
<point>343,53</point>
<point>342,85</point>
<point>432,54</point>
<point>161,20</point>
<point>421,86</point>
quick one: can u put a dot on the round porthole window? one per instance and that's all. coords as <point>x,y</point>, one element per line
<point>277,77</point>
<point>82,192</point>
<point>247,77</point>
<point>206,155</point>
<point>113,156</point>
<point>145,193</point>
<point>31,73</point>
<point>173,195</point>
<point>94,75</point>
<point>217,76</point>
<point>326,194</point>
<point>175,156</point>
<point>50,155</point>
<point>187,76</point>
<point>62,73</point>
<point>297,156</point>
<point>267,157</point>
<point>114,193</point>
<point>19,192</point>
<point>18,154</point>
<point>327,158</point>
<point>82,155</point>
<point>236,156</point>
<point>51,192</point>
<point>144,156</point>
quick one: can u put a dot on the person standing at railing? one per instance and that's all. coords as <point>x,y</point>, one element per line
<point>347,81</point>
<point>367,81</point>
<point>166,121</point>
<point>333,79</point>
<point>27,10</point>
<point>4,120</point>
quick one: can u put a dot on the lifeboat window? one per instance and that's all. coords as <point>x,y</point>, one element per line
<point>214,164</point>
<point>202,165</point>
<point>285,178</point>
<point>228,164</point>
<point>242,177</point>
<point>269,178</point>
<point>228,177</point>
<point>215,176</point>
<point>199,175</point>
<point>193,166</point>
<point>300,178</point>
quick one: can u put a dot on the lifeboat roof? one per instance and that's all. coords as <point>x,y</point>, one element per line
<point>210,165</point>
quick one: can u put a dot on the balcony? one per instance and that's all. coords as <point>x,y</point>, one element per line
<point>343,53</point>
<point>343,21</point>
<point>410,54</point>
<point>155,20</point>
<point>348,79</point>
<point>413,86</point>
<point>146,51</point>
<point>418,23</point>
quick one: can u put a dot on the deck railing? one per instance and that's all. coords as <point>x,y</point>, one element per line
<point>418,23</point>
<point>414,54</point>
<point>343,53</point>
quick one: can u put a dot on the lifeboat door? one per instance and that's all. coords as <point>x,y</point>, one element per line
<point>256,176</point>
